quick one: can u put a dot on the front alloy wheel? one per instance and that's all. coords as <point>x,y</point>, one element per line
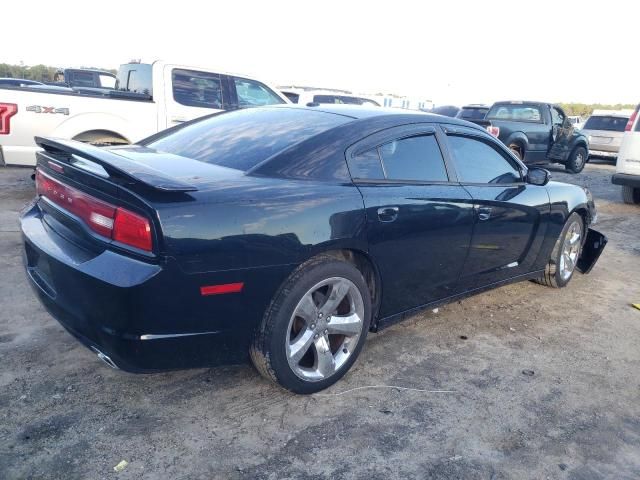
<point>570,250</point>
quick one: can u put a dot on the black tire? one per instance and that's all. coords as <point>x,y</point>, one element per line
<point>268,350</point>
<point>577,160</point>
<point>517,150</point>
<point>552,277</point>
<point>630,195</point>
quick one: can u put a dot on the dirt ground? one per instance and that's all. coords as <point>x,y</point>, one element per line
<point>534,383</point>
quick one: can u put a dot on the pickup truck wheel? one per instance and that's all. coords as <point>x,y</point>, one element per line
<point>565,254</point>
<point>630,195</point>
<point>101,138</point>
<point>315,327</point>
<point>517,150</point>
<point>577,160</point>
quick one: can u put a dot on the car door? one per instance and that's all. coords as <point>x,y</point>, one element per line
<point>510,215</point>
<point>419,220</point>
<point>191,94</point>
<point>561,132</point>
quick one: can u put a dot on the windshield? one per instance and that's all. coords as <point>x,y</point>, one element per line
<point>243,138</point>
<point>515,112</point>
<point>472,113</point>
<point>609,123</point>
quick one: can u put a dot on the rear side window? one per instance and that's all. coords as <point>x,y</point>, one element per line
<point>515,112</point>
<point>478,162</point>
<point>196,89</point>
<point>82,79</point>
<point>367,165</point>
<point>416,158</point>
<point>243,138</point>
<point>252,93</point>
<point>609,123</point>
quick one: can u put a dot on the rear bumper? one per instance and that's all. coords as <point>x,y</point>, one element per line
<point>626,179</point>
<point>595,151</point>
<point>145,317</point>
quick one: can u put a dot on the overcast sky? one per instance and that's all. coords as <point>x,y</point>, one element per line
<point>449,52</point>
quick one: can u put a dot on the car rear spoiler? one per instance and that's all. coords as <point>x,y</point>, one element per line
<point>114,164</point>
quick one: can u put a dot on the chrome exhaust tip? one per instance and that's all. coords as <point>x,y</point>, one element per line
<point>105,358</point>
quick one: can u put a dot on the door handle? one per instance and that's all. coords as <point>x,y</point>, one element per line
<point>388,214</point>
<point>484,213</point>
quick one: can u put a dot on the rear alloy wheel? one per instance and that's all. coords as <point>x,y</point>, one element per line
<point>630,195</point>
<point>315,327</point>
<point>577,160</point>
<point>565,254</point>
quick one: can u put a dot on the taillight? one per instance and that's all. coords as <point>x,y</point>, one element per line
<point>632,119</point>
<point>7,110</point>
<point>112,222</point>
<point>132,229</point>
<point>495,131</point>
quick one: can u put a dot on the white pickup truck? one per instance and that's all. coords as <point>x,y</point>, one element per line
<point>149,97</point>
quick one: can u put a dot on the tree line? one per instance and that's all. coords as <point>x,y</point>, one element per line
<point>585,109</point>
<point>39,73</point>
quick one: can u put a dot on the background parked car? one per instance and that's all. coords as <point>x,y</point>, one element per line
<point>475,113</point>
<point>18,82</point>
<point>628,163</point>
<point>306,96</point>
<point>538,132</point>
<point>604,130</point>
<point>149,97</point>
<point>446,110</point>
<point>576,120</point>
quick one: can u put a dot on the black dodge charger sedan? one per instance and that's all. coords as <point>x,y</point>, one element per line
<point>286,234</point>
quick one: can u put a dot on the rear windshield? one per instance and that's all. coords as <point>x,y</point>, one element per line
<point>243,138</point>
<point>612,124</point>
<point>516,113</point>
<point>469,113</point>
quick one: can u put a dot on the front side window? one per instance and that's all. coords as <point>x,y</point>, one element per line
<point>478,162</point>
<point>253,94</point>
<point>515,112</point>
<point>557,117</point>
<point>196,89</point>
<point>414,158</point>
<point>107,81</point>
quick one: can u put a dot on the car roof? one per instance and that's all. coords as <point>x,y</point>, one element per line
<point>476,105</point>
<point>361,112</point>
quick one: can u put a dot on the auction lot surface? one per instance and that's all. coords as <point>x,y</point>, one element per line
<point>545,385</point>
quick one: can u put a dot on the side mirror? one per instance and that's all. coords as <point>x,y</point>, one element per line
<point>538,176</point>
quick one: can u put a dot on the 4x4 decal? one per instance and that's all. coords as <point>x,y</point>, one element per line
<point>40,109</point>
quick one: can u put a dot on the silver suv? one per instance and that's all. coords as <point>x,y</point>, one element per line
<point>605,130</point>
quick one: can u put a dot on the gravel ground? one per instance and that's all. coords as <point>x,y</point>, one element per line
<point>534,383</point>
